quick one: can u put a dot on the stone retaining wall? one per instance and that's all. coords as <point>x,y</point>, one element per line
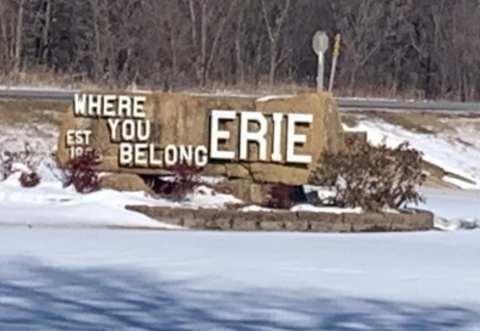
<point>232,220</point>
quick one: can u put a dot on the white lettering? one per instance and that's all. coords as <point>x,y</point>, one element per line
<point>126,154</point>
<point>128,130</point>
<point>94,105</point>
<point>108,103</point>
<point>259,136</point>
<point>201,156</point>
<point>171,155</point>
<point>294,139</point>
<point>80,105</point>
<point>154,162</point>
<point>277,137</point>
<point>216,134</point>
<point>112,125</point>
<point>186,154</point>
<point>124,106</point>
<point>144,129</point>
<point>141,154</point>
<point>138,104</point>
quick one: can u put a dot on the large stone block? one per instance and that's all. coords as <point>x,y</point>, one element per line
<point>247,221</point>
<point>419,220</point>
<point>123,182</point>
<point>368,222</point>
<point>246,190</point>
<point>324,222</point>
<point>183,119</point>
<point>222,222</point>
<point>296,225</point>
<point>266,225</point>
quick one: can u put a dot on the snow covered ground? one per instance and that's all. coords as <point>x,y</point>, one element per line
<point>102,279</point>
<point>54,279</point>
<point>454,209</point>
<point>51,205</point>
<point>456,151</point>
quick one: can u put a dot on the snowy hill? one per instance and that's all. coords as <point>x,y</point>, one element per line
<point>456,148</point>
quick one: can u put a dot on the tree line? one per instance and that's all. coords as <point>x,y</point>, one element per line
<point>423,48</point>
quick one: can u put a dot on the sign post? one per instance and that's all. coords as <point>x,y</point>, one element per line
<point>336,53</point>
<point>320,45</point>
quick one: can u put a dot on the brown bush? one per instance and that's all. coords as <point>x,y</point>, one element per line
<point>81,172</point>
<point>371,177</point>
<point>29,179</point>
<point>185,179</point>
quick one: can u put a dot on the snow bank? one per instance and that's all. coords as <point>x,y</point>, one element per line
<point>457,152</point>
<point>454,209</point>
<point>50,204</point>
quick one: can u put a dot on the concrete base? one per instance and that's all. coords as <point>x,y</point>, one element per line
<point>231,220</point>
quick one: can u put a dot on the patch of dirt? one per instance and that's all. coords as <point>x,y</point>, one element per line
<point>18,113</point>
<point>426,123</point>
<point>418,122</point>
<point>350,120</point>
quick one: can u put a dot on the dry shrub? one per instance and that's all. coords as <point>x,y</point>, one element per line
<point>81,172</point>
<point>373,177</point>
<point>25,161</point>
<point>29,179</point>
<point>284,196</point>
<point>183,181</point>
<point>7,160</point>
<point>25,157</point>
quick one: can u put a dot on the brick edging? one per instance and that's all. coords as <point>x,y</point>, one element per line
<point>232,220</point>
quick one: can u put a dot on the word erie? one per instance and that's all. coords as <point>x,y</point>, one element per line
<point>259,136</point>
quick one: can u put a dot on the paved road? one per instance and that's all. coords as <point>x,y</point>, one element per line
<point>345,104</point>
<point>57,95</point>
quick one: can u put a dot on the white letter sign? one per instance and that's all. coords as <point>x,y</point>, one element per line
<point>293,139</point>
<point>216,134</point>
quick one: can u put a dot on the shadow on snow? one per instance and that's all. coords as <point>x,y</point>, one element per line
<point>46,297</point>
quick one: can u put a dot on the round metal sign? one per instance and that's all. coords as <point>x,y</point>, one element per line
<point>320,42</point>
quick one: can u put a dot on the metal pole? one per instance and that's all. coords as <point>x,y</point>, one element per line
<point>320,72</point>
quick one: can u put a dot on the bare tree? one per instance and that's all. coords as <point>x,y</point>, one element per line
<point>274,22</point>
<point>207,21</point>
<point>362,38</point>
<point>19,37</point>
<point>395,46</point>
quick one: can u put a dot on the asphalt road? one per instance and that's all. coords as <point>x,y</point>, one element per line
<point>345,104</point>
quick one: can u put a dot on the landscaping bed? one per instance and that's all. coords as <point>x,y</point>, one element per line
<point>301,221</point>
